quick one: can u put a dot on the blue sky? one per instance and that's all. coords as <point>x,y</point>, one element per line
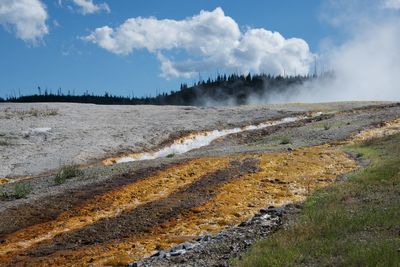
<point>69,55</point>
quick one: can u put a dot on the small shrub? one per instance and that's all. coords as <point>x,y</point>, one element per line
<point>67,172</point>
<point>59,179</point>
<point>171,155</point>
<point>286,140</point>
<point>21,190</point>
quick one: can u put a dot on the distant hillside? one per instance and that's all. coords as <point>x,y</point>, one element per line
<point>224,90</point>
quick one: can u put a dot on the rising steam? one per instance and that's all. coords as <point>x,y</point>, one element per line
<point>366,66</point>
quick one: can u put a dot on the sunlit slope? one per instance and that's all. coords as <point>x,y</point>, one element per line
<point>203,196</point>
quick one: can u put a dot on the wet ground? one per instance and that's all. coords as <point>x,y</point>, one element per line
<point>118,214</point>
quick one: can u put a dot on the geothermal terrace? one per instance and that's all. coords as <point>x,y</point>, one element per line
<point>153,178</point>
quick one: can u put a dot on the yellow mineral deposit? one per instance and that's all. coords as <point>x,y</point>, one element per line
<point>4,180</point>
<point>388,128</point>
<point>112,203</point>
<point>282,178</point>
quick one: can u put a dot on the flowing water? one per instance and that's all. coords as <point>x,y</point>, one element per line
<point>199,140</point>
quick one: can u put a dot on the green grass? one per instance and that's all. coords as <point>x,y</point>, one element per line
<point>355,222</point>
<point>67,172</point>
<point>20,190</point>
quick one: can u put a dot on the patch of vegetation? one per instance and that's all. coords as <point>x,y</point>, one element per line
<point>171,155</point>
<point>286,140</point>
<point>67,172</point>
<point>352,223</point>
<point>20,190</point>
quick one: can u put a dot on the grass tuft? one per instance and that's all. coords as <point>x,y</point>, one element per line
<point>67,172</point>
<point>20,190</point>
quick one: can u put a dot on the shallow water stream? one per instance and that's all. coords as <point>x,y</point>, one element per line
<point>198,140</point>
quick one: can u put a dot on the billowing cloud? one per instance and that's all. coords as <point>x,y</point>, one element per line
<point>210,40</point>
<point>88,7</point>
<point>27,18</point>
<point>366,64</point>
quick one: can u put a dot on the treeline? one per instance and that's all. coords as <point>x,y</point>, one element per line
<point>106,99</point>
<point>235,89</point>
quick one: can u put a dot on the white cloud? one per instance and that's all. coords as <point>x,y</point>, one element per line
<point>88,7</point>
<point>27,18</point>
<point>392,4</point>
<point>210,40</point>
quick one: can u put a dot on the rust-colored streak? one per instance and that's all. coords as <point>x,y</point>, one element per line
<point>280,178</point>
<point>4,180</point>
<point>110,204</point>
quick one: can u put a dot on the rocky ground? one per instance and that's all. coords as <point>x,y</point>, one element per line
<point>220,249</point>
<point>39,137</point>
<point>200,208</point>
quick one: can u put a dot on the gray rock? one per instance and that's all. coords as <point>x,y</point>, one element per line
<point>178,252</point>
<point>206,238</point>
<point>188,246</point>
<point>136,264</point>
<point>178,247</point>
<point>247,242</point>
<point>159,254</point>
